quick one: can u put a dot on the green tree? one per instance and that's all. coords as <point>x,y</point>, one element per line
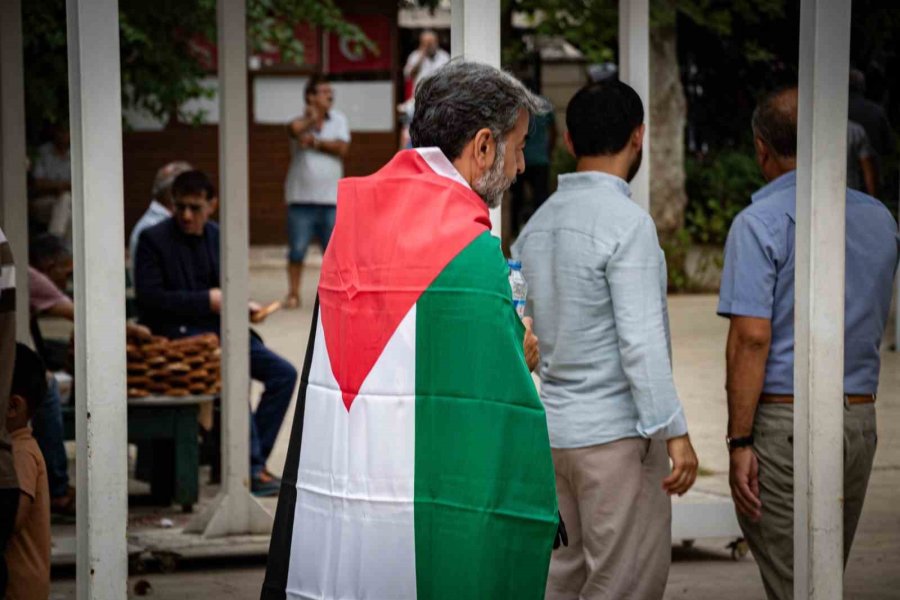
<point>160,68</point>
<point>592,26</point>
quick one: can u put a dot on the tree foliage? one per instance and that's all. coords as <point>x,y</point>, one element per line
<point>160,67</point>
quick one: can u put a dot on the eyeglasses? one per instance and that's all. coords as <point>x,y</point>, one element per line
<point>183,207</point>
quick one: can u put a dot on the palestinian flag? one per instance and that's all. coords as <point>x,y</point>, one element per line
<point>419,464</point>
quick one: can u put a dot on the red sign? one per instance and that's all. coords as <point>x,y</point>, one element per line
<point>206,52</point>
<point>346,56</point>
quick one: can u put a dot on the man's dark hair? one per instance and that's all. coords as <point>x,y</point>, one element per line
<point>29,378</point>
<point>775,121</point>
<point>857,81</point>
<point>602,116</point>
<point>193,183</point>
<point>45,248</point>
<point>461,98</point>
<point>312,85</point>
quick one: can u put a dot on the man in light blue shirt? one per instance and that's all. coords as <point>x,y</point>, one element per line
<point>597,292</point>
<point>160,207</point>
<point>757,294</point>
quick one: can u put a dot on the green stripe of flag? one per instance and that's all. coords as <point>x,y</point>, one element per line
<point>485,497</point>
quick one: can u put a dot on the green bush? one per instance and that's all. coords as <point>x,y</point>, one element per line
<point>718,186</point>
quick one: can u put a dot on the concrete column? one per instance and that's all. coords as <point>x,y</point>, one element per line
<point>634,69</point>
<point>235,511</point>
<point>819,299</point>
<point>14,205</point>
<point>475,36</point>
<point>95,114</point>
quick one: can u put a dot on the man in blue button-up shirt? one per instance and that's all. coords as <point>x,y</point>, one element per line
<point>757,294</point>
<point>597,292</point>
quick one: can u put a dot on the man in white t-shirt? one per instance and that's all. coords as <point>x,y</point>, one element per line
<point>428,58</point>
<point>320,140</point>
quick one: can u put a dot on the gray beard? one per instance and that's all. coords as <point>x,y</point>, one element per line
<point>493,184</point>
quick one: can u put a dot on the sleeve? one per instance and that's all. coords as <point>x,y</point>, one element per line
<point>42,293</point>
<point>633,273</point>
<point>149,285</point>
<point>749,272</point>
<point>343,132</point>
<point>410,63</point>
<point>27,469</point>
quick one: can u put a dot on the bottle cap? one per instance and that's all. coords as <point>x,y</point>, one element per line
<point>515,264</point>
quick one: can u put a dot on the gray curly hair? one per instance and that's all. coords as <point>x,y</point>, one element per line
<point>461,98</point>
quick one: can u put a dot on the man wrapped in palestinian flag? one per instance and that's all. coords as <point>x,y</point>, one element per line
<point>419,465</point>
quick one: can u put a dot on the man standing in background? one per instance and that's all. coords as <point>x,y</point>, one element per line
<point>597,281</point>
<point>320,140</point>
<point>52,205</point>
<point>426,59</point>
<point>757,295</point>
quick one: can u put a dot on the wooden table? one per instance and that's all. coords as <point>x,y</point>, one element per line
<point>169,424</point>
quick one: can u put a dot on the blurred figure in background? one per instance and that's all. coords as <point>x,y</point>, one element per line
<point>160,207</point>
<point>873,119</point>
<point>52,181</point>
<point>533,186</point>
<point>320,141</point>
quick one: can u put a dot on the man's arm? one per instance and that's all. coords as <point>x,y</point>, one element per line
<point>746,353</point>
<point>337,148</point>
<point>149,286</point>
<point>413,64</point>
<point>638,305</point>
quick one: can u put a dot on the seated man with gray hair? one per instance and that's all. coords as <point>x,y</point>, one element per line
<point>419,464</point>
<point>160,207</point>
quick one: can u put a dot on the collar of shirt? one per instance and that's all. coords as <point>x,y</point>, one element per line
<point>781,182</point>
<point>583,179</point>
<point>441,165</point>
<point>157,208</point>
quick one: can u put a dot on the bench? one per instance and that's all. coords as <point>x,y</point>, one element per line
<point>169,425</point>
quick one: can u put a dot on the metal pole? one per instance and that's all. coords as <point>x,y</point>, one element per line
<point>235,511</point>
<point>14,206</point>
<point>819,299</point>
<point>95,115</point>
<point>475,36</point>
<point>634,69</point>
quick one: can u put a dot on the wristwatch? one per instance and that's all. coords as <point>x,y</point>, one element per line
<point>739,442</point>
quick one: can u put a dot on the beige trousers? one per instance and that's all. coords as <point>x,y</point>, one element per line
<point>772,539</point>
<point>619,522</point>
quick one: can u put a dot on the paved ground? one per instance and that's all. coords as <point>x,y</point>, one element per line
<point>703,572</point>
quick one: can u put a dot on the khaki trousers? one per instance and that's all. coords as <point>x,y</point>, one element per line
<point>772,539</point>
<point>619,522</point>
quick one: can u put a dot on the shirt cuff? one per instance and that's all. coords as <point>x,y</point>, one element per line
<point>743,309</point>
<point>675,427</point>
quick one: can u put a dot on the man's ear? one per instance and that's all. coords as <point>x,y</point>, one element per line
<point>567,138</point>
<point>637,137</point>
<point>762,150</point>
<point>213,204</point>
<point>17,405</point>
<point>484,148</point>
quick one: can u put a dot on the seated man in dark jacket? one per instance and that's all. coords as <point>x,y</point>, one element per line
<point>176,271</point>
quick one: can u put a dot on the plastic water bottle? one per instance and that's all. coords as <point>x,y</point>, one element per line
<point>519,286</point>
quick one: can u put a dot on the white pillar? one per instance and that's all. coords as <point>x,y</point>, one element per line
<point>819,299</point>
<point>14,205</point>
<point>95,114</point>
<point>634,69</point>
<point>235,511</point>
<point>475,36</point>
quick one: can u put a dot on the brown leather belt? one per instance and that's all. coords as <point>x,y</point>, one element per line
<point>789,398</point>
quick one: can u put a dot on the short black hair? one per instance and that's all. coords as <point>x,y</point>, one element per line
<point>29,378</point>
<point>602,116</point>
<point>312,85</point>
<point>46,247</point>
<point>193,183</point>
<point>775,121</point>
